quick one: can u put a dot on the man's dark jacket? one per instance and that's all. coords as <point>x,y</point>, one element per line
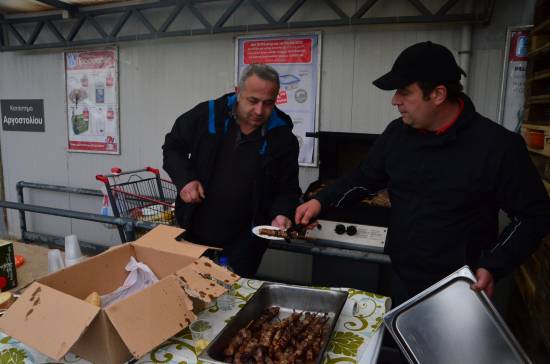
<point>446,191</point>
<point>191,147</point>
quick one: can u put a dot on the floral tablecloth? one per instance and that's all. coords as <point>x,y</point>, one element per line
<point>348,344</point>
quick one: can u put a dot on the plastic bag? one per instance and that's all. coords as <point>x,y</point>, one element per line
<point>140,277</point>
<point>106,209</point>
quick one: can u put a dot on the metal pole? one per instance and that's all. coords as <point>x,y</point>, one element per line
<point>58,188</point>
<point>2,39</point>
<point>21,200</point>
<point>129,232</point>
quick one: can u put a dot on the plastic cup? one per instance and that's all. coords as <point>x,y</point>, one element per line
<point>201,332</point>
<point>55,260</point>
<point>69,262</point>
<point>73,254</point>
<point>226,302</point>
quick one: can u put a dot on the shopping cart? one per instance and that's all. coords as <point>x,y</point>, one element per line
<point>141,195</point>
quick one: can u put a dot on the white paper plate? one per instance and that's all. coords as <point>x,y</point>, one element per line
<point>256,231</point>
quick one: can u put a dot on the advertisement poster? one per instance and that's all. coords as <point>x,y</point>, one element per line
<point>297,60</point>
<point>92,101</point>
<point>513,89</point>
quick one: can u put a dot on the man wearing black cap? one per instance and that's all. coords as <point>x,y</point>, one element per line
<point>448,171</point>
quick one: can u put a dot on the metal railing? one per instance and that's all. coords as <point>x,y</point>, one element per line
<point>127,227</point>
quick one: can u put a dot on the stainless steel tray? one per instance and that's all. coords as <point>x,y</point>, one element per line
<point>289,299</point>
<point>450,323</point>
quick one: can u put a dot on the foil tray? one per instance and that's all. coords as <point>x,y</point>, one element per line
<point>451,323</point>
<point>289,299</point>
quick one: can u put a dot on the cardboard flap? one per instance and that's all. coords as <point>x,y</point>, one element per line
<point>199,287</point>
<point>163,238</point>
<point>48,320</point>
<point>150,317</point>
<point>205,266</point>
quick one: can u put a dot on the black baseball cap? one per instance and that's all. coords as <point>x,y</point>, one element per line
<point>426,61</point>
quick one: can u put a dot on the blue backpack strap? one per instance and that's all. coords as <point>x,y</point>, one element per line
<point>211,118</point>
<point>274,122</point>
<point>231,101</point>
<point>226,125</point>
<point>263,148</point>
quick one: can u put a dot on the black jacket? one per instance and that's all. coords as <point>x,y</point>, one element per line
<point>191,147</point>
<point>446,191</point>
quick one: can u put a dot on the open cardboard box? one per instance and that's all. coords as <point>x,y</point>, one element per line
<point>52,316</point>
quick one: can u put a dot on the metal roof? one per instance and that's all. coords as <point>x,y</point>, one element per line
<point>32,24</point>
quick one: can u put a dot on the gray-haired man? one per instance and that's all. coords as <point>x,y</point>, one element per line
<point>235,162</point>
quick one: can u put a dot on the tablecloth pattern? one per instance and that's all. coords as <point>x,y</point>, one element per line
<point>349,341</point>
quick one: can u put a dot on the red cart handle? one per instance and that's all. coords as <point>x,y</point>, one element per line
<point>117,171</point>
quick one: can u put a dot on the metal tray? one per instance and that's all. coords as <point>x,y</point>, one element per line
<point>289,299</point>
<point>450,323</point>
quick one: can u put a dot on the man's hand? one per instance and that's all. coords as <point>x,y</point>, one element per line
<point>307,212</point>
<point>485,282</point>
<point>282,222</point>
<point>193,192</point>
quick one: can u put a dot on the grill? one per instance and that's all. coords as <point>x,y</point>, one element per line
<point>361,228</point>
<point>364,225</point>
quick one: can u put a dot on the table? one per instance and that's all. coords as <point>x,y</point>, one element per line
<point>357,339</point>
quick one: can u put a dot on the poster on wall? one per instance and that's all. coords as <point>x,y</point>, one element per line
<point>296,58</point>
<point>92,101</point>
<point>512,93</point>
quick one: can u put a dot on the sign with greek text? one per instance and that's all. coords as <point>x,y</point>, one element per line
<point>23,115</point>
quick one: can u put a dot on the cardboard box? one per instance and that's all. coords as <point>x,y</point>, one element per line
<point>8,272</point>
<point>52,316</point>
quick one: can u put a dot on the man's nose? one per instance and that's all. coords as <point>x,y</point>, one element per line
<point>395,100</point>
<point>258,108</point>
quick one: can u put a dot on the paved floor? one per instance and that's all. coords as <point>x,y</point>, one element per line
<point>36,263</point>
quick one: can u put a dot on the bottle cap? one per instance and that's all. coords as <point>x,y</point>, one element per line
<point>224,261</point>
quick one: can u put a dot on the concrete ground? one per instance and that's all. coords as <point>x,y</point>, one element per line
<point>36,263</point>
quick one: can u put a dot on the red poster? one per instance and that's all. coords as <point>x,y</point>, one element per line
<point>518,46</point>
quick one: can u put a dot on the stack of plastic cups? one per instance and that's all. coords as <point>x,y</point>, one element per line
<point>55,260</point>
<point>73,254</point>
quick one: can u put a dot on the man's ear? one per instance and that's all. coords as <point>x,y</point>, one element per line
<point>237,91</point>
<point>439,94</point>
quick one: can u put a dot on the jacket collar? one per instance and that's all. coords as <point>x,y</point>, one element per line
<point>463,122</point>
<point>276,119</point>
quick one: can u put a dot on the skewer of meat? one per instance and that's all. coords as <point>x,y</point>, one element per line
<point>289,331</point>
<point>293,235</point>
<point>237,341</point>
<point>267,315</point>
<point>259,355</point>
<point>266,335</point>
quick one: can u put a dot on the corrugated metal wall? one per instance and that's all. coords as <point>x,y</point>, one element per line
<point>161,79</point>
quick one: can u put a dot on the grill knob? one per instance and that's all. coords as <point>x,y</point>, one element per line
<point>340,229</point>
<point>351,230</point>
